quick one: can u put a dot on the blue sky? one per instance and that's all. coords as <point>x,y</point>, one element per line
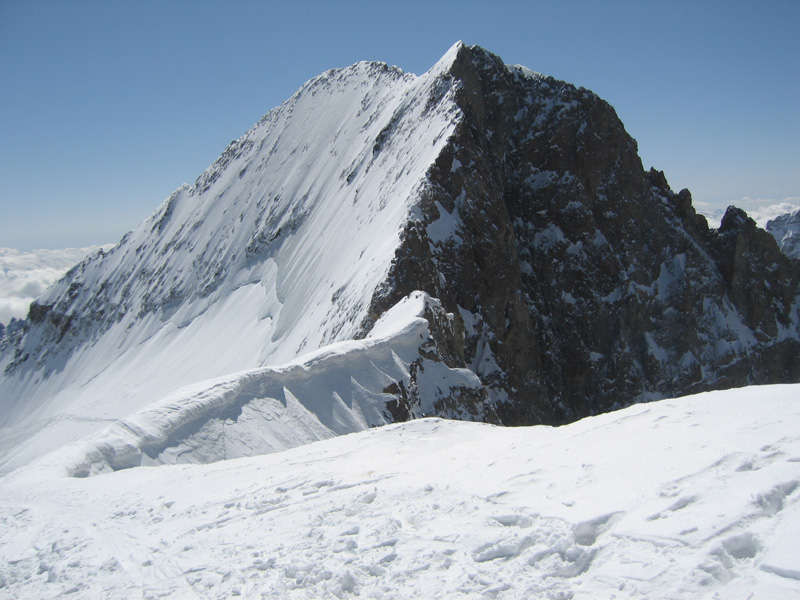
<point>108,106</point>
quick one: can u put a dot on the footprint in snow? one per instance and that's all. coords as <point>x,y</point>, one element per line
<point>679,504</point>
<point>587,532</point>
<point>514,520</point>
<point>772,501</point>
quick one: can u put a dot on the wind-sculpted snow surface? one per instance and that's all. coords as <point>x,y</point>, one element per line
<point>339,389</point>
<point>691,498</point>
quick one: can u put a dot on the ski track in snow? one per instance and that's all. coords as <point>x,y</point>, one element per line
<point>689,498</point>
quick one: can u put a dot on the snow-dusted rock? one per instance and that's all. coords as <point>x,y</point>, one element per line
<point>582,281</point>
<point>786,230</point>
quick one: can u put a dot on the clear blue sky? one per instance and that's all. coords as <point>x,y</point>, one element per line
<point>107,106</point>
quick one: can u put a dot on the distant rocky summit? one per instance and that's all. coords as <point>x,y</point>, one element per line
<point>786,231</point>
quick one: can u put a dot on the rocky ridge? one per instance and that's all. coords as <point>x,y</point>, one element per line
<point>582,282</point>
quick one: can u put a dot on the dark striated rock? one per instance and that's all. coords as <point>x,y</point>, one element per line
<point>749,260</point>
<point>579,281</point>
<point>37,313</point>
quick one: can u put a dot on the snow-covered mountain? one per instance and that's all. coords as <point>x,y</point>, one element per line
<point>556,277</point>
<point>273,252</point>
<point>479,243</point>
<point>786,231</point>
<point>691,498</point>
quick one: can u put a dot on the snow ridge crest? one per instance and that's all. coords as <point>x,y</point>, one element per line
<point>342,388</point>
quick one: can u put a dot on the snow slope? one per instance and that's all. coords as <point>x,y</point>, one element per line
<point>274,252</point>
<point>691,498</point>
<point>336,390</point>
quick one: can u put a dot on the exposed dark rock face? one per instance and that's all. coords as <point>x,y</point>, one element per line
<point>580,281</point>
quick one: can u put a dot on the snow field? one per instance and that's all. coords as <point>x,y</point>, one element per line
<point>689,498</point>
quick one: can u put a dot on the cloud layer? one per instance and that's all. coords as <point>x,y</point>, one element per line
<point>763,214</point>
<point>761,210</point>
<point>25,275</point>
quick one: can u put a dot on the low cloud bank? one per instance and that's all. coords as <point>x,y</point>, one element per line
<point>766,213</point>
<point>25,275</point>
<point>759,209</point>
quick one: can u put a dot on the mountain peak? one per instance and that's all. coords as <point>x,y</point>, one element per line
<point>563,280</point>
<point>461,58</point>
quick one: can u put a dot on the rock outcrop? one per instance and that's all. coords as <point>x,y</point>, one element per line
<point>580,280</point>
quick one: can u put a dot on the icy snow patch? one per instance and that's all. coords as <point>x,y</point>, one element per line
<point>445,227</point>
